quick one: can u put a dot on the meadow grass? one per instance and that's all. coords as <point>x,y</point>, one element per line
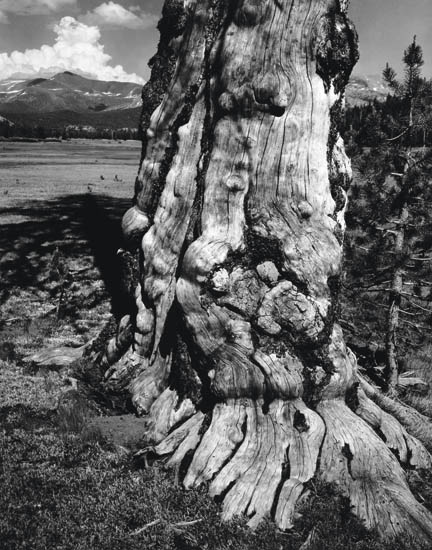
<point>62,489</point>
<point>46,171</point>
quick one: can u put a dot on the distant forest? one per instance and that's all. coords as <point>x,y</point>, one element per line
<point>115,124</point>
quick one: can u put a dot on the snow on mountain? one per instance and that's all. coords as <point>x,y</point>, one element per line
<point>5,122</point>
<point>67,92</point>
<point>362,89</point>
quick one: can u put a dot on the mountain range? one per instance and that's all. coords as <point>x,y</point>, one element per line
<point>70,99</point>
<point>67,91</point>
<point>363,89</point>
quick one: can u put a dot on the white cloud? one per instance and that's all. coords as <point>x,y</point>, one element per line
<point>110,14</point>
<point>76,48</point>
<point>32,7</point>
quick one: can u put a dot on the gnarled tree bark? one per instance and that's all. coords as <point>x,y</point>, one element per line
<point>234,353</point>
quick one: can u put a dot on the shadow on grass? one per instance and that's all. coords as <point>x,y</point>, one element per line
<point>76,226</point>
<point>22,417</point>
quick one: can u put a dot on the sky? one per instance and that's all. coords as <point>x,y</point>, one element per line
<point>385,29</point>
<point>114,39</point>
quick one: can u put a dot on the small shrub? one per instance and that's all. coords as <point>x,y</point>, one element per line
<point>7,351</point>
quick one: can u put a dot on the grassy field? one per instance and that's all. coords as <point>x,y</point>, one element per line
<point>47,171</point>
<point>67,474</point>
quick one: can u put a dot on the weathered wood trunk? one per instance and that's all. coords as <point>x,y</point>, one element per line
<point>234,353</point>
<point>395,302</point>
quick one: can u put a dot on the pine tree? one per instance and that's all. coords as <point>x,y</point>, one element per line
<point>395,209</point>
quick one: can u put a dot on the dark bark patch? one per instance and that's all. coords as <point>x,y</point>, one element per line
<point>170,152</point>
<point>300,422</point>
<point>99,343</point>
<point>261,249</point>
<point>335,284</point>
<point>250,13</point>
<point>339,181</point>
<point>218,23</point>
<point>129,266</point>
<point>206,423</point>
<point>336,50</point>
<point>269,345</point>
<point>173,23</point>
<point>351,397</point>
<point>346,451</point>
<point>174,19</point>
<point>184,466</point>
<point>183,378</point>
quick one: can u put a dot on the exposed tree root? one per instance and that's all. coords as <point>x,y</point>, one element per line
<point>257,462</point>
<point>167,412</point>
<point>59,357</point>
<point>408,449</point>
<point>359,462</point>
<point>417,424</point>
<point>252,460</point>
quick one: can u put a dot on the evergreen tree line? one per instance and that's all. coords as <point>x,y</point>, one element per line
<point>66,132</point>
<point>388,252</point>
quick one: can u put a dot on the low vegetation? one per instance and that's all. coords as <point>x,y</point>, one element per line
<point>66,486</point>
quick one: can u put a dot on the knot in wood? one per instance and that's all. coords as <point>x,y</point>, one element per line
<point>233,435</point>
<point>160,266</point>
<point>285,306</point>
<point>305,209</point>
<point>318,375</point>
<point>249,13</point>
<point>290,252</point>
<point>268,272</point>
<point>268,91</point>
<point>220,282</point>
<point>236,183</point>
<point>227,102</point>
<point>134,224</point>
